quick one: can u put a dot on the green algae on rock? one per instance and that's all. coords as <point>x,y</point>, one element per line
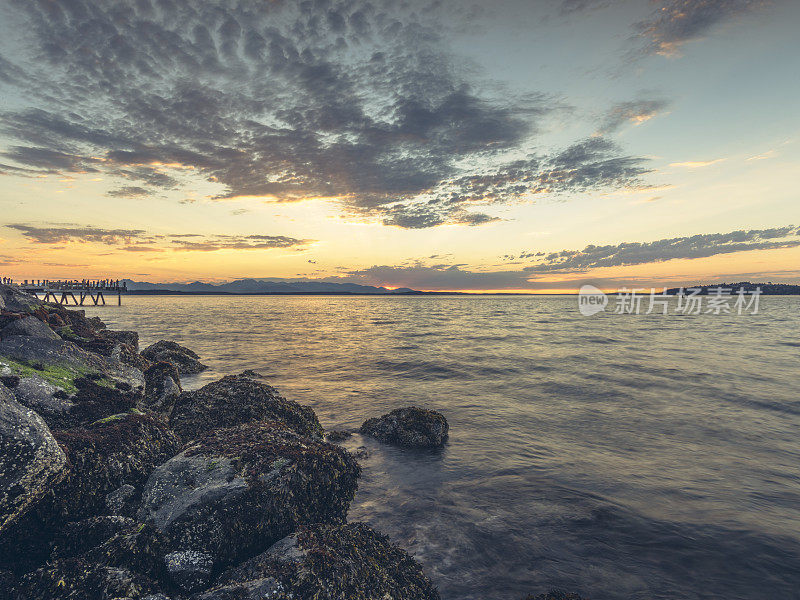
<point>235,491</point>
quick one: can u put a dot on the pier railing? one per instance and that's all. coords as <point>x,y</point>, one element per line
<point>73,291</point>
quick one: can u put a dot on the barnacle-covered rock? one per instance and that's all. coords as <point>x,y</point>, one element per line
<point>336,562</point>
<point>410,427</point>
<point>236,491</point>
<point>238,399</point>
<point>186,361</point>
<point>31,461</point>
<point>117,450</point>
<point>81,579</point>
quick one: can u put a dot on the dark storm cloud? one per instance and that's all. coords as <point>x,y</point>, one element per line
<point>634,111</point>
<point>59,235</point>
<point>696,246</point>
<point>340,98</point>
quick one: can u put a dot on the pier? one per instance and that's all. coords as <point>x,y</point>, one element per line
<point>73,291</point>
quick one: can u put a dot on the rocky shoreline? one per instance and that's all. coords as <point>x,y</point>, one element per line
<point>116,483</point>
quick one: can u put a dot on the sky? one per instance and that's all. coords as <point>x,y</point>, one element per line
<point>505,146</point>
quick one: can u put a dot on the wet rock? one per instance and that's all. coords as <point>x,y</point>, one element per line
<point>238,399</point>
<point>31,461</point>
<point>162,388</point>
<point>328,561</point>
<point>28,326</point>
<point>361,453</point>
<point>122,449</point>
<point>236,491</point>
<point>186,361</point>
<point>410,427</point>
<point>336,436</point>
<point>122,501</point>
<point>65,384</point>
<point>80,579</point>
<point>188,569</point>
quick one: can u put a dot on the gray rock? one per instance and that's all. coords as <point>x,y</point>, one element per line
<point>120,501</point>
<point>186,361</point>
<point>31,461</point>
<point>256,589</point>
<point>162,388</point>
<point>189,569</point>
<point>28,326</point>
<point>41,396</point>
<point>130,338</point>
<point>236,491</point>
<point>337,436</point>
<point>16,301</point>
<point>410,427</point>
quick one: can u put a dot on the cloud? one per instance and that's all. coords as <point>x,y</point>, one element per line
<point>137,240</point>
<point>696,164</point>
<point>129,192</point>
<point>364,105</point>
<point>634,111</point>
<point>245,242</point>
<point>60,235</point>
<point>673,23</point>
<point>690,247</point>
<point>574,266</point>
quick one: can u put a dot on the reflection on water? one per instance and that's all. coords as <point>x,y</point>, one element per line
<point>623,456</point>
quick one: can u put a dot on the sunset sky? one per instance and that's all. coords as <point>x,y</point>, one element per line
<point>512,145</point>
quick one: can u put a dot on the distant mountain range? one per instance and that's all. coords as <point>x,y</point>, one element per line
<point>261,286</point>
<point>768,289</point>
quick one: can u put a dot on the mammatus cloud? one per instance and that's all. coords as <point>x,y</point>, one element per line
<point>635,111</point>
<point>574,265</point>
<point>361,103</point>
<point>138,240</point>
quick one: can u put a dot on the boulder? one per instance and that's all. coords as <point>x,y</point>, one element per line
<point>162,388</point>
<point>186,361</point>
<point>236,491</point>
<point>28,326</point>
<point>327,561</point>
<point>115,451</point>
<point>410,427</point>
<point>238,399</point>
<point>65,384</point>
<point>337,436</point>
<point>31,461</point>
<point>16,301</point>
<point>129,338</point>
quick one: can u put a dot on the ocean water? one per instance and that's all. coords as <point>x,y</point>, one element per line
<point>620,456</point>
